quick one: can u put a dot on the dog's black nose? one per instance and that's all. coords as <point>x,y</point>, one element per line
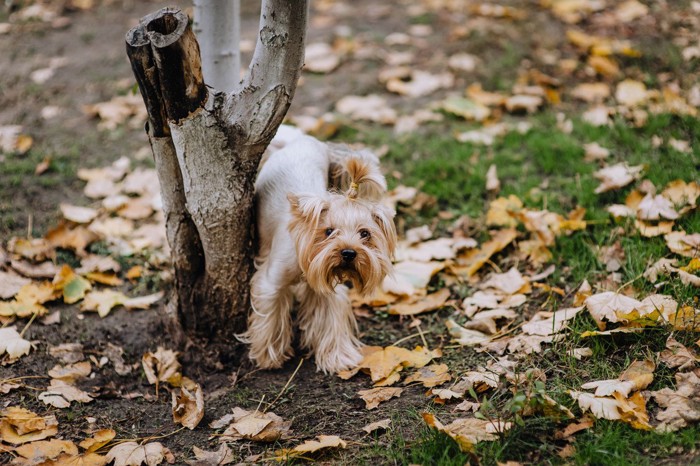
<point>348,254</point>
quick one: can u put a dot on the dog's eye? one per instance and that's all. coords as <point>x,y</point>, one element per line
<point>364,234</point>
<point>329,231</point>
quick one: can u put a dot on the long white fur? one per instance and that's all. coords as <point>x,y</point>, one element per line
<point>297,170</point>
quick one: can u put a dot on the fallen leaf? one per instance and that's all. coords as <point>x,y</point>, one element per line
<point>373,396</point>
<point>78,214</point>
<point>311,446</point>
<point>492,182</point>
<point>162,366</point>
<point>465,337</point>
<point>604,307</point>
<point>383,424</point>
<point>73,286</point>
<point>509,282</point>
<point>220,457</point>
<point>473,260</point>
<point>680,406</point>
<point>98,440</point>
<point>133,454</point>
<point>71,372</point>
<point>430,376</point>
<point>382,362</point>
<point>467,432</point>
<point>11,283</point>
<point>428,303</point>
<point>551,325</point>
<point>420,83</point>
<point>255,425</point>
<point>320,57</point>
<point>12,344</point>
<point>677,355</point>
<point>188,408</point>
<point>45,451</point>
<point>60,394</point>
<point>372,108</point>
<point>636,377</point>
<point>19,426</point>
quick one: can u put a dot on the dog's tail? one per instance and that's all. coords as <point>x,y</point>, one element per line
<point>356,173</point>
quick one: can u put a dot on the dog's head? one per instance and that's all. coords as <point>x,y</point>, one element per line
<point>340,239</point>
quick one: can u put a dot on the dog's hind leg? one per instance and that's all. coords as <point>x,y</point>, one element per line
<point>270,329</point>
<point>328,328</point>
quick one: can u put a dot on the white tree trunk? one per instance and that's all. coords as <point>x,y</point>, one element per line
<point>207,146</point>
<point>217,25</point>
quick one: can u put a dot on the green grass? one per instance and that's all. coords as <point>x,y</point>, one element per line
<point>545,168</point>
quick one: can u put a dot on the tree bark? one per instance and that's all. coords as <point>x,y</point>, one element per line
<point>207,146</point>
<point>217,26</point>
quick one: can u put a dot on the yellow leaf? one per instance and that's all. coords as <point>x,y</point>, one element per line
<point>44,450</point>
<point>98,440</point>
<point>473,260</point>
<point>430,376</point>
<point>502,211</point>
<point>104,278</point>
<point>72,285</point>
<point>19,425</point>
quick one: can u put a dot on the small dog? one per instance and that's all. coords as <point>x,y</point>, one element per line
<point>320,226</point>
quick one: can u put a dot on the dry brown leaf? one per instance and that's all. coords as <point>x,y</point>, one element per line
<point>222,456</point>
<point>509,282</point>
<point>410,276</point>
<point>383,362</point>
<point>10,284</point>
<point>12,344</point>
<point>256,425</point>
<point>19,426</point>
<point>655,208</point>
<point>617,176</point>
<point>680,406</point>
<point>467,432</point>
<point>473,260</point>
<point>162,366</point>
<point>591,92</point>
<point>133,454</point>
<point>420,83</point>
<point>428,303</point>
<point>636,377</point>
<point>680,242</point>
<point>465,337</point>
<point>188,408</point>
<point>34,249</point>
<point>677,355</point>
<point>550,325</point>
<point>383,424</point>
<point>60,394</point>
<point>372,108</point>
<point>45,450</point>
<point>78,214</point>
<point>430,376</point>
<point>98,440</point>
<point>606,306</point>
<point>485,321</point>
<point>320,57</point>
<point>76,237</point>
<point>373,396</point>
<point>72,372</point>
<point>312,446</point>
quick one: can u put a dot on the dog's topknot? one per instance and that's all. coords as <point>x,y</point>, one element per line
<point>356,173</point>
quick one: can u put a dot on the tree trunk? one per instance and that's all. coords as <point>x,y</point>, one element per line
<point>207,146</point>
<point>217,26</point>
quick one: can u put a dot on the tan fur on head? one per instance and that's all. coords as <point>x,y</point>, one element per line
<point>343,224</point>
<point>361,168</point>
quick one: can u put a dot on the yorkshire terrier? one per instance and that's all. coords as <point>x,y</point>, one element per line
<point>321,228</point>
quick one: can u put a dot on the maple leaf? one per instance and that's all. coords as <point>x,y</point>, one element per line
<point>133,454</point>
<point>188,408</point>
<point>383,363</point>
<point>636,377</point>
<point>19,426</point>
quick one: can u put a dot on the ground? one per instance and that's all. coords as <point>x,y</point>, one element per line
<point>544,167</point>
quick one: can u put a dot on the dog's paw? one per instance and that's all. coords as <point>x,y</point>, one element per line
<point>269,357</point>
<point>338,359</point>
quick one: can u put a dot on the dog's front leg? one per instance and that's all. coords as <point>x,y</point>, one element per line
<point>270,329</point>
<point>328,328</point>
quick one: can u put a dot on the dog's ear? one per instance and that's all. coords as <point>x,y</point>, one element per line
<point>307,208</point>
<point>384,217</point>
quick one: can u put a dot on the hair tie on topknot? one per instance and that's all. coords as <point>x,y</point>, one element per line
<point>353,191</point>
